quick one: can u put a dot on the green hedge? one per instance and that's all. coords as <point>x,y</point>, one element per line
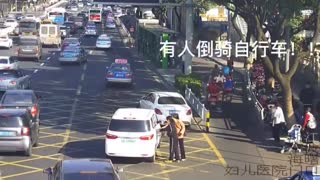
<point>193,81</point>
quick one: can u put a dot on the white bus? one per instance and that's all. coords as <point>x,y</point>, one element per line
<point>57,15</point>
<point>95,15</point>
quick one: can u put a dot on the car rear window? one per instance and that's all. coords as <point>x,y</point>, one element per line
<point>171,100</point>
<point>129,125</point>
<point>89,176</point>
<point>4,61</point>
<point>8,74</point>
<point>18,98</point>
<point>28,42</point>
<point>10,121</point>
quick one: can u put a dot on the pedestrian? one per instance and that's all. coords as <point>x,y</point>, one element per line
<point>307,95</point>
<point>230,64</point>
<point>171,129</point>
<point>215,71</point>
<point>278,121</point>
<point>181,132</point>
<point>309,122</point>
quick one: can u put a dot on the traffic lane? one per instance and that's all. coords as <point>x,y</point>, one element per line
<point>98,105</point>
<point>58,86</point>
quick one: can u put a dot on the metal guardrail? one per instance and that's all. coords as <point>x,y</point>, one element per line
<point>252,97</point>
<point>196,104</point>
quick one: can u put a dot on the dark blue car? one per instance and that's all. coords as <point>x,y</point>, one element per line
<point>83,169</point>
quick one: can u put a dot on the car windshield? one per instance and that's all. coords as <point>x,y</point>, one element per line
<point>89,176</point>
<point>4,61</point>
<point>78,19</point>
<point>91,27</point>
<point>8,74</point>
<point>71,41</point>
<point>17,98</point>
<point>27,25</point>
<point>104,38</point>
<point>28,42</point>
<point>120,67</point>
<point>7,120</point>
<point>171,100</point>
<point>129,125</point>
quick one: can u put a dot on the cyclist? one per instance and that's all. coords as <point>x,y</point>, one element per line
<point>226,70</point>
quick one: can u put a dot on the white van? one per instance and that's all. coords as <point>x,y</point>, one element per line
<point>50,34</point>
<point>133,132</point>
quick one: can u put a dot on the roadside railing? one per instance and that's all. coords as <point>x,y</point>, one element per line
<point>253,98</point>
<point>196,104</point>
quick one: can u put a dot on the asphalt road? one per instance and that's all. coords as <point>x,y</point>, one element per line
<point>75,111</point>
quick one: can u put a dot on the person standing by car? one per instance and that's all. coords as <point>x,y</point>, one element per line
<point>171,129</point>
<point>181,131</point>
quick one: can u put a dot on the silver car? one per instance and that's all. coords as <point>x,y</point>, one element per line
<point>19,131</point>
<point>14,79</point>
<point>30,47</point>
<point>72,54</point>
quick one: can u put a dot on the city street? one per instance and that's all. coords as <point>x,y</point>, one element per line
<point>76,107</point>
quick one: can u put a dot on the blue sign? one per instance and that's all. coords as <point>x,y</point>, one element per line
<point>58,20</point>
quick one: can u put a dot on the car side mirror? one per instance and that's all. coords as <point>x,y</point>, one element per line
<point>119,170</point>
<point>48,171</point>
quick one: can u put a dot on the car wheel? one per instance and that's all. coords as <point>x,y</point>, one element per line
<point>152,159</point>
<point>28,152</point>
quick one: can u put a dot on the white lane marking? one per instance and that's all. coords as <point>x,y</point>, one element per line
<point>53,53</point>
<point>79,90</point>
<point>35,71</point>
<point>41,64</point>
<point>85,67</point>
<point>90,52</point>
<point>48,58</point>
<point>82,77</point>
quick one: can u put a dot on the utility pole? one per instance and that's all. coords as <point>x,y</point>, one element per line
<point>288,45</point>
<point>187,58</point>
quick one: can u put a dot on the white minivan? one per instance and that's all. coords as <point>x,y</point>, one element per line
<point>50,34</point>
<point>133,132</point>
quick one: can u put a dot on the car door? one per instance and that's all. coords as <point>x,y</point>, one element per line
<point>157,127</point>
<point>144,102</point>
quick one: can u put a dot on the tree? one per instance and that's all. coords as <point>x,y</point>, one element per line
<point>276,16</point>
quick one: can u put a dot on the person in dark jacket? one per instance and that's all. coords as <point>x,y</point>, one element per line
<point>307,95</point>
<point>171,129</point>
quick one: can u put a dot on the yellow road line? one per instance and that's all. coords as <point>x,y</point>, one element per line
<point>199,150</point>
<point>25,160</point>
<point>19,165</point>
<point>215,150</point>
<point>135,173</point>
<point>170,171</point>
<point>20,174</point>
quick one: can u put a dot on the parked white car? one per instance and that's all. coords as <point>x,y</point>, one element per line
<point>5,41</point>
<point>11,23</point>
<point>133,132</point>
<point>167,103</point>
<point>8,63</point>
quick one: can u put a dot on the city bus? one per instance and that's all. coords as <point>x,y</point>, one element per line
<point>95,15</point>
<point>28,27</point>
<point>57,15</point>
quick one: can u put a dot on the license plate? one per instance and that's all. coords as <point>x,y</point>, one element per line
<point>7,133</point>
<point>120,75</point>
<point>172,111</point>
<point>128,141</point>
